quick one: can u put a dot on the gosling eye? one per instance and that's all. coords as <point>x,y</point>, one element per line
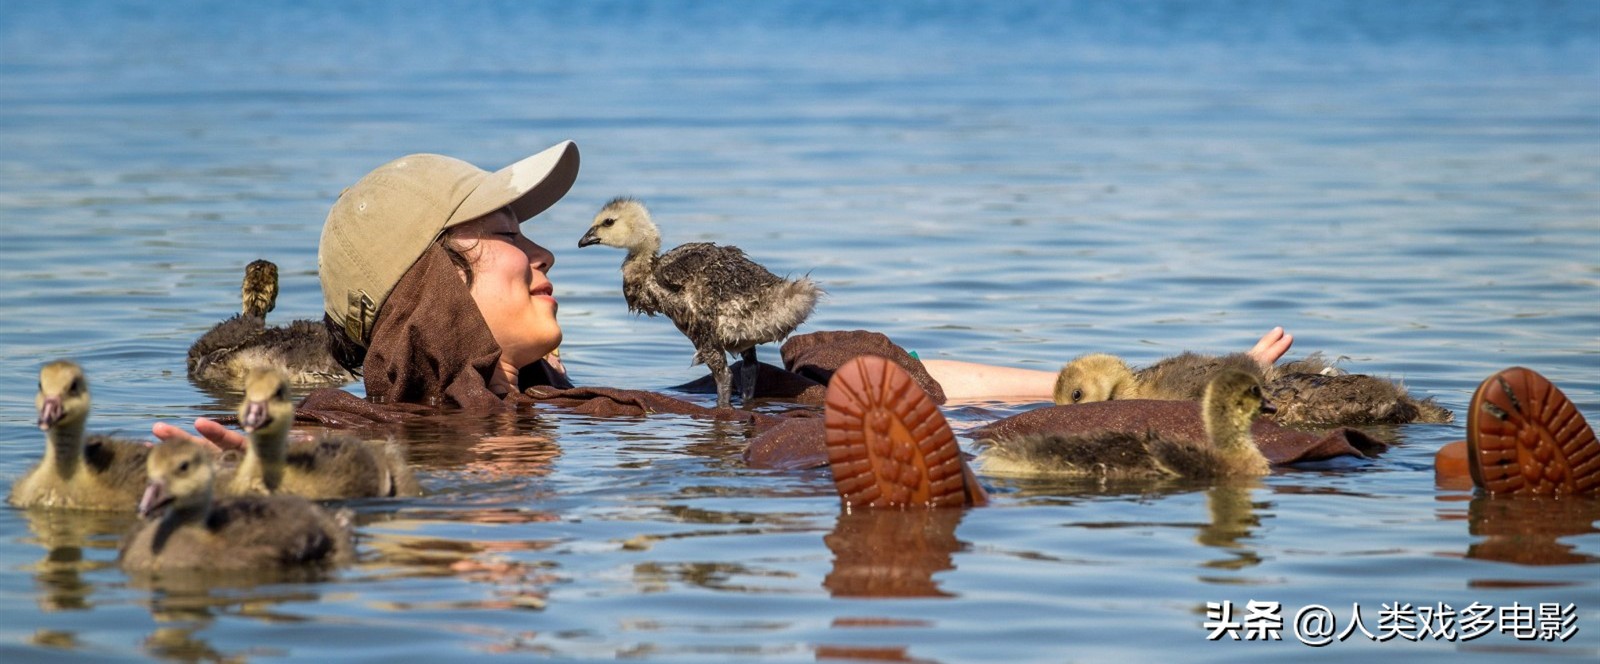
<point>1077,395</point>
<point>283,392</point>
<point>76,386</point>
<point>183,467</point>
<point>608,223</point>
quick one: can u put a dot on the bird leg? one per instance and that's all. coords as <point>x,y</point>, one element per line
<point>717,362</point>
<point>747,376</point>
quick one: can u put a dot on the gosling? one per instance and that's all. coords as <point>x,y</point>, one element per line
<point>329,467</point>
<point>1229,407</point>
<point>250,533</point>
<point>100,473</point>
<point>720,299</point>
<point>1307,391</point>
<point>225,353</point>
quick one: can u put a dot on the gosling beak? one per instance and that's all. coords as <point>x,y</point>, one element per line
<point>254,416</point>
<point>1267,408</point>
<point>588,239</point>
<point>50,412</point>
<point>155,497</point>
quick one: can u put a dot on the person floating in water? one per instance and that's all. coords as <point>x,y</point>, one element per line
<point>434,293</point>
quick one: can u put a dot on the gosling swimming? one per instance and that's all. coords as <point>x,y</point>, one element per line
<point>225,353</point>
<point>328,467</point>
<point>1230,404</point>
<point>720,299</point>
<point>1307,391</point>
<point>97,473</point>
<point>186,530</point>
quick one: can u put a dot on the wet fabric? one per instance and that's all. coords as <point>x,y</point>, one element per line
<point>809,361</point>
<point>795,444</point>
<point>614,402</point>
<point>430,344</point>
<point>817,355</point>
<point>432,349</point>
<point>789,440</point>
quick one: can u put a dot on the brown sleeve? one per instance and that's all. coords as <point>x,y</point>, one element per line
<point>817,355</point>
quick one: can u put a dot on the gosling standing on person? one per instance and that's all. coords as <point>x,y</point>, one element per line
<point>720,299</point>
<point>186,530</point>
<point>100,473</point>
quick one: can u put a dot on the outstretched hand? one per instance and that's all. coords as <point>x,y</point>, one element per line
<point>212,435</point>
<point>1272,346</point>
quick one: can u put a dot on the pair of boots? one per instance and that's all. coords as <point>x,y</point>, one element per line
<point>889,446</point>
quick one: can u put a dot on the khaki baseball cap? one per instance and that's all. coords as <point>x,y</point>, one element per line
<point>383,223</point>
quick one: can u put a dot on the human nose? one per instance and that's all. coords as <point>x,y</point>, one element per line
<point>539,257</point>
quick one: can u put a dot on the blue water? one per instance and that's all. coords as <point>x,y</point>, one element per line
<point>1413,187</point>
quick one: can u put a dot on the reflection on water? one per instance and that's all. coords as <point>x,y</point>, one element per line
<point>181,644</point>
<point>1233,518</point>
<point>203,602</point>
<point>183,604</point>
<point>1533,530</point>
<point>869,654</point>
<point>653,577</point>
<point>500,563</point>
<point>497,445</point>
<point>514,584</point>
<point>66,536</point>
<point>890,553</point>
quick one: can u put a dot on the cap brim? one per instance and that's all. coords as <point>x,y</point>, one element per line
<point>529,186</point>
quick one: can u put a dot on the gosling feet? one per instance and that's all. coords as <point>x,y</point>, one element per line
<point>1525,436</point>
<point>888,445</point>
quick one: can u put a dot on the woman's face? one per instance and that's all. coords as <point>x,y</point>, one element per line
<point>510,286</point>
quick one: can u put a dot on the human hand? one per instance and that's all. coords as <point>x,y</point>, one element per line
<point>1272,346</point>
<point>214,436</point>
